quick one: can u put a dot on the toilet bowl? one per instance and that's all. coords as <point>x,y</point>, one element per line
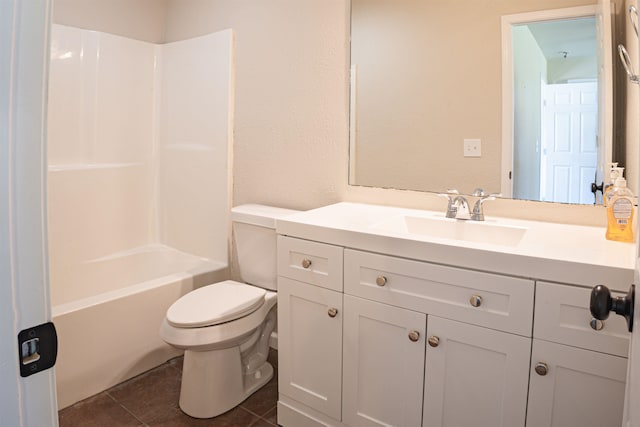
<point>225,327</point>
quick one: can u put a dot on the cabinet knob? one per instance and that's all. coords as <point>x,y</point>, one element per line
<point>381,281</point>
<point>306,263</point>
<point>475,300</point>
<point>596,324</point>
<point>414,336</point>
<point>541,369</point>
<point>333,312</point>
<point>433,341</point>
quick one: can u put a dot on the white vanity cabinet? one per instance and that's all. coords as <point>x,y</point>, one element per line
<point>368,339</point>
<point>578,365</point>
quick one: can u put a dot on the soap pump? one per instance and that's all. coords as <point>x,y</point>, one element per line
<point>614,173</point>
<point>620,212</point>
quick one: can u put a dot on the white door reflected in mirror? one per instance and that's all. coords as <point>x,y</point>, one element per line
<point>557,118</point>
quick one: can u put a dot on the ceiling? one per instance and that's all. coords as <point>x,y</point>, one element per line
<point>575,37</point>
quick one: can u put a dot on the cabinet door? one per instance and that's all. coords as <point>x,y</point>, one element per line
<point>575,387</point>
<point>383,364</point>
<point>474,376</point>
<point>310,345</point>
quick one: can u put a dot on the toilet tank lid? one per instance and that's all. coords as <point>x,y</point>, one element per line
<point>261,215</point>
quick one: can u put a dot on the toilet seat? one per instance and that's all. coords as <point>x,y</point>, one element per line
<point>215,304</point>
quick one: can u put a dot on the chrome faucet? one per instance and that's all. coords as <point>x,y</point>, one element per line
<point>461,206</point>
<point>458,206</point>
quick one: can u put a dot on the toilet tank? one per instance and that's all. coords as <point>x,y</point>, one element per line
<point>254,231</point>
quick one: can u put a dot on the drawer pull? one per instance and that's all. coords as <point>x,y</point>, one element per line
<point>332,312</point>
<point>541,369</point>
<point>475,300</point>
<point>381,281</point>
<point>596,324</point>
<point>433,341</point>
<point>414,336</point>
<point>306,263</point>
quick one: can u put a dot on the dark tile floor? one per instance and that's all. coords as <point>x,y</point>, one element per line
<point>151,399</point>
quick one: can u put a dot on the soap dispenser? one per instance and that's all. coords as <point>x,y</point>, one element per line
<point>620,212</point>
<point>614,173</point>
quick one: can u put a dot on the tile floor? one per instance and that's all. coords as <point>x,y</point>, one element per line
<point>151,399</point>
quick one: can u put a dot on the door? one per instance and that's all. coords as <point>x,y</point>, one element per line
<point>383,364</point>
<point>572,386</point>
<point>569,153</point>
<point>632,396</point>
<point>24,298</point>
<point>310,345</point>
<point>474,376</point>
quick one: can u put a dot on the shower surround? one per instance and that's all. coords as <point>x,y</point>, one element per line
<point>139,155</point>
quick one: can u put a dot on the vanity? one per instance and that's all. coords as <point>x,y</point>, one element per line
<point>399,317</point>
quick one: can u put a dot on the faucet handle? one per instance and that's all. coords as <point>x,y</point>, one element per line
<point>450,193</point>
<point>478,214</point>
<point>478,192</point>
<point>451,209</point>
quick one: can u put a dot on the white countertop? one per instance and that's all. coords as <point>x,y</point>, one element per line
<point>562,253</point>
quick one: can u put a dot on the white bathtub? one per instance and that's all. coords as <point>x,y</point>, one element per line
<point>109,311</point>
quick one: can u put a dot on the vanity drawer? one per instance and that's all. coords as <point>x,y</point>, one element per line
<point>494,301</point>
<point>562,315</point>
<point>310,262</point>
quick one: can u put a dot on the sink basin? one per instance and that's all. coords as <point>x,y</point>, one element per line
<point>487,232</point>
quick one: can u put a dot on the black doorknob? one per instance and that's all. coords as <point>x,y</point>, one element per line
<point>602,303</point>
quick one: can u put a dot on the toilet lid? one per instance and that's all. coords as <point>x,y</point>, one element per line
<point>214,304</point>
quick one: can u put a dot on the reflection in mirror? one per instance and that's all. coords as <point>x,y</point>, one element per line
<point>426,82</point>
<point>554,116</point>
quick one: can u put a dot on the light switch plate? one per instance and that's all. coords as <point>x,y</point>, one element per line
<point>472,148</point>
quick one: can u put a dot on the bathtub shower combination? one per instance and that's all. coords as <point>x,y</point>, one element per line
<point>139,194</point>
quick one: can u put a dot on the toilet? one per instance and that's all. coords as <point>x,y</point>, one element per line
<point>225,328</point>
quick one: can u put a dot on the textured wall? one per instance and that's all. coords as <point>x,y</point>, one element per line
<point>291,111</point>
<point>136,19</point>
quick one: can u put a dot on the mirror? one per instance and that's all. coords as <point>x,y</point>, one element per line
<point>427,96</point>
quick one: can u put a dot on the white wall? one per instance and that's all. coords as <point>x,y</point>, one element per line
<point>136,19</point>
<point>632,91</point>
<point>291,111</point>
<point>530,68</point>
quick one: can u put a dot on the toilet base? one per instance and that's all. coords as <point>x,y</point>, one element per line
<point>213,382</point>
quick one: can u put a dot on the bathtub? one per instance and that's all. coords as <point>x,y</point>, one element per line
<point>108,315</point>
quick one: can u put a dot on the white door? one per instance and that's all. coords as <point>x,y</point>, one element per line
<point>632,397</point>
<point>474,376</point>
<point>24,298</point>
<point>310,345</point>
<point>383,364</point>
<point>569,142</point>
<point>571,386</point>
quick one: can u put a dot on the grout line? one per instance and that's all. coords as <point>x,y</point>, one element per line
<point>260,418</point>
<point>142,423</point>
